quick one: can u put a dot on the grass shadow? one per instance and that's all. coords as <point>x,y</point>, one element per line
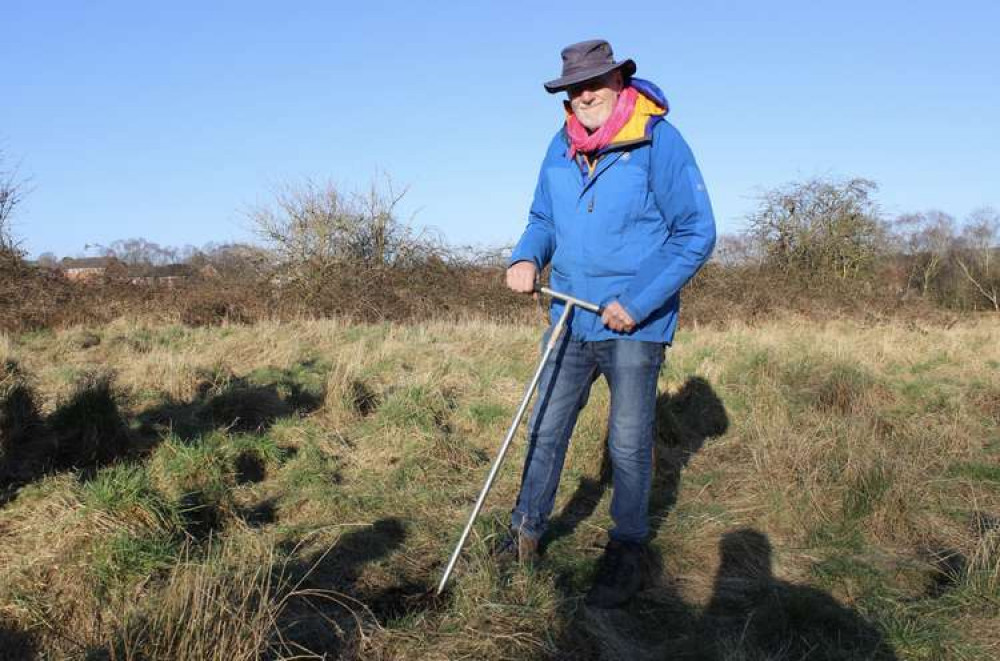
<point>85,432</point>
<point>333,603</point>
<point>20,425</point>
<point>238,404</point>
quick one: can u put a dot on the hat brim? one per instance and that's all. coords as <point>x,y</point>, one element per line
<point>559,84</point>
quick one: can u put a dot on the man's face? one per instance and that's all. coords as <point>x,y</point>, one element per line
<point>593,100</point>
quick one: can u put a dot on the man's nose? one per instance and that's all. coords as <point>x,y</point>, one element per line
<point>587,96</point>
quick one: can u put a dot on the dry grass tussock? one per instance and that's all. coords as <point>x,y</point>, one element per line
<point>826,489</point>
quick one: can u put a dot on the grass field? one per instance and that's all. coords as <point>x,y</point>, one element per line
<point>823,491</point>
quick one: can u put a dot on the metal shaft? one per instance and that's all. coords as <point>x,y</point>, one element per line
<point>571,300</point>
<point>556,332</point>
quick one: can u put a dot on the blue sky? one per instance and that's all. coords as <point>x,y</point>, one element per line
<point>168,120</point>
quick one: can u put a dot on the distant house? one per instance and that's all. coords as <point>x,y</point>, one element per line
<point>169,274</point>
<point>89,269</point>
<point>86,268</point>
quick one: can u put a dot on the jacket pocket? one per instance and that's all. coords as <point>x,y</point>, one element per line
<point>615,207</point>
<point>619,196</point>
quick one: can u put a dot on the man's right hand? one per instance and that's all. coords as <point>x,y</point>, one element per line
<point>521,277</point>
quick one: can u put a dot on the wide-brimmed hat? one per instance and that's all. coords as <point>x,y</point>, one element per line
<point>586,60</point>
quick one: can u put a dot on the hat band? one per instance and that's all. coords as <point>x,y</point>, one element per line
<point>572,71</point>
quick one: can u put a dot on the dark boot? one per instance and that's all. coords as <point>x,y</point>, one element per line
<point>516,547</point>
<point>619,575</point>
<point>527,550</point>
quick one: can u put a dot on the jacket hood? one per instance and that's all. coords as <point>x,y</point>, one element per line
<point>651,92</point>
<point>650,107</point>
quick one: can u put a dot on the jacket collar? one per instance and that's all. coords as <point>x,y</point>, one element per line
<point>638,129</point>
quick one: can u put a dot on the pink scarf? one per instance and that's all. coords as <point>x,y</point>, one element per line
<point>581,141</point>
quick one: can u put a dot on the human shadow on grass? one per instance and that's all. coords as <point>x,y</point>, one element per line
<point>333,605</point>
<point>752,614</point>
<point>15,644</point>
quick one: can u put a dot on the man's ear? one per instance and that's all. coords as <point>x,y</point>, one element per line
<point>619,79</point>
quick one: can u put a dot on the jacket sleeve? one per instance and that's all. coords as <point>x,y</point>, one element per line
<point>539,239</point>
<point>680,194</point>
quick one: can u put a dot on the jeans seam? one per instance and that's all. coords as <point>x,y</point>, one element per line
<point>566,433</point>
<point>651,378</point>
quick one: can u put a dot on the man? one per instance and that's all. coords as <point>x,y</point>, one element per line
<point>621,214</point>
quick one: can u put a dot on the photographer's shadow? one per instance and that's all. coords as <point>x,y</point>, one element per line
<point>752,614</point>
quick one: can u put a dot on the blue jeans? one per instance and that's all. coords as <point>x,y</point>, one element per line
<point>631,368</point>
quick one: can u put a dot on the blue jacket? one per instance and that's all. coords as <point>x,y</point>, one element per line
<point>634,227</point>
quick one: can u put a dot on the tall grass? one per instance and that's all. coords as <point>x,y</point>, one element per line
<point>823,490</point>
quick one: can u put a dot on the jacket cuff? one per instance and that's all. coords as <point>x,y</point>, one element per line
<point>634,312</point>
<point>522,256</point>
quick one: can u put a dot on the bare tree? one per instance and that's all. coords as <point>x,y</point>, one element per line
<point>236,261</point>
<point>140,252</point>
<point>927,238</point>
<point>736,250</point>
<point>819,227</point>
<point>48,260</point>
<point>314,227</point>
<point>11,195</point>
<point>981,238</point>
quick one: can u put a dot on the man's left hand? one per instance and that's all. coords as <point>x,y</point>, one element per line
<point>617,319</point>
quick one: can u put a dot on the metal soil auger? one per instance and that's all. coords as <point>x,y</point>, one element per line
<point>557,330</point>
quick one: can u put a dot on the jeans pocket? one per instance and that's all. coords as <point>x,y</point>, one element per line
<point>638,353</point>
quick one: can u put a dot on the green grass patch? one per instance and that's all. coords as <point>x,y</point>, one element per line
<point>311,473</point>
<point>201,465</point>
<point>827,386</point>
<point>929,364</point>
<point>866,491</point>
<point>124,558</point>
<point>125,490</point>
<point>302,383</point>
<point>844,536</point>
<point>919,631</point>
<point>421,407</point>
<point>264,447</point>
<point>977,471</point>
<point>486,414</point>
<point>753,368</point>
<point>928,397</point>
<point>68,373</point>
<point>198,478</point>
<point>144,340</point>
<point>850,575</point>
